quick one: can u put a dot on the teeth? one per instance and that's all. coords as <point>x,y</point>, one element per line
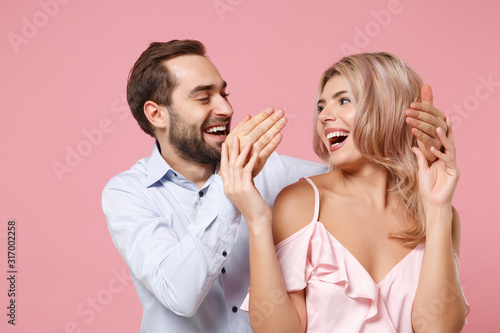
<point>336,134</point>
<point>217,129</point>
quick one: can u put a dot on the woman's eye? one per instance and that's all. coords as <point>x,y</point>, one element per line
<point>344,100</point>
<point>320,108</point>
<point>203,100</point>
<point>224,95</point>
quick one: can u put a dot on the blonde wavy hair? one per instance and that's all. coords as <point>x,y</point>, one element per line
<point>381,87</point>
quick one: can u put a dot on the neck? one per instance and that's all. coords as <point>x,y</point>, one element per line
<point>369,183</point>
<point>197,173</point>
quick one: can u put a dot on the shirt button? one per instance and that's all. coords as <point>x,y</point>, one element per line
<point>235,309</point>
<point>223,270</point>
<point>175,174</point>
<point>200,194</point>
<point>224,253</point>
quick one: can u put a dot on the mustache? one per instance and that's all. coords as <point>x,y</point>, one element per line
<point>216,121</point>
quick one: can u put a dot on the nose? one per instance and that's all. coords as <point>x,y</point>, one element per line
<point>327,114</point>
<point>223,108</point>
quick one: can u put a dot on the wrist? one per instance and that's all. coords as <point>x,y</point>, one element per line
<point>438,216</point>
<point>260,226</point>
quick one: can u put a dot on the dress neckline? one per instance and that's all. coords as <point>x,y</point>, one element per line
<point>331,236</point>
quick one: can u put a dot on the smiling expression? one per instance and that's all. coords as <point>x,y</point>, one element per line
<point>200,114</point>
<point>336,122</point>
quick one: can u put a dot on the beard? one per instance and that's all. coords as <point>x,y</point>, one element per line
<point>188,141</point>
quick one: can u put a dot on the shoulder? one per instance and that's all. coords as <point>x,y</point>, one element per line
<point>137,173</point>
<point>292,210</point>
<point>125,188</point>
<point>123,181</point>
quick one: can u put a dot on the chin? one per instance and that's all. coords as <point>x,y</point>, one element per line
<point>351,163</point>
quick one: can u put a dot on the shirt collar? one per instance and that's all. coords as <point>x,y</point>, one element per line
<point>156,166</point>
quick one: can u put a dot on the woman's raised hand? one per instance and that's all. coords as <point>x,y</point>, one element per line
<point>236,172</point>
<point>438,181</point>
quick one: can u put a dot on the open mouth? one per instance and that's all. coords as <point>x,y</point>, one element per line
<point>337,138</point>
<point>216,130</point>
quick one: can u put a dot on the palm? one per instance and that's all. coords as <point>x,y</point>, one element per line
<point>236,171</point>
<point>438,181</point>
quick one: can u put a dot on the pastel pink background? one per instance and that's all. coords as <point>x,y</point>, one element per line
<point>67,78</point>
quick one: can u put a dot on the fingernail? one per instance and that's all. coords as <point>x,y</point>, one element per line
<point>279,112</point>
<point>283,120</point>
<point>269,110</point>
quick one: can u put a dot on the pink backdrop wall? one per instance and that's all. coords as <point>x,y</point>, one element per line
<point>66,128</point>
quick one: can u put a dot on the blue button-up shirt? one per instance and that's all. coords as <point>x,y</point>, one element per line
<point>186,248</point>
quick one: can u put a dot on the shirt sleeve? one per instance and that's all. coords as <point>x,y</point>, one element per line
<point>176,259</point>
<point>293,168</point>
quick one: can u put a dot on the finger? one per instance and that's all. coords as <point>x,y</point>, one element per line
<point>224,170</point>
<point>426,108</point>
<point>233,155</point>
<point>426,113</point>
<point>223,163</point>
<point>247,171</point>
<point>450,134</point>
<point>422,126</point>
<point>242,122</point>
<point>443,156</point>
<point>240,162</point>
<point>447,144</point>
<point>235,131</point>
<point>270,147</point>
<point>427,103</point>
<point>267,137</point>
<point>421,160</point>
<point>262,128</point>
<point>426,117</point>
<point>251,124</point>
<point>427,96</point>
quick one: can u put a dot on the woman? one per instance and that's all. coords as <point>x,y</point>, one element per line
<point>350,243</point>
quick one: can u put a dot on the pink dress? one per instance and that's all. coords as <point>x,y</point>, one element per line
<point>341,295</point>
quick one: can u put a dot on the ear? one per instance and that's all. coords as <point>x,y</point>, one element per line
<point>156,114</point>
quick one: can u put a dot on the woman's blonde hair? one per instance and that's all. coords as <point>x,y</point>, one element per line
<point>381,87</point>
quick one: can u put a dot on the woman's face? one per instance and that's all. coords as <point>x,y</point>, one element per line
<point>336,122</point>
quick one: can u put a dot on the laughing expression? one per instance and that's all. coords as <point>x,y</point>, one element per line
<point>336,122</point>
<point>200,114</point>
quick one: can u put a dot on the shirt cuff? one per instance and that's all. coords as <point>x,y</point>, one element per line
<point>217,202</point>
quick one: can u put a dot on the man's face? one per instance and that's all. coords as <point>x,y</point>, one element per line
<point>200,114</point>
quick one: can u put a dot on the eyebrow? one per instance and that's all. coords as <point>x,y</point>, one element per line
<point>337,94</point>
<point>206,87</point>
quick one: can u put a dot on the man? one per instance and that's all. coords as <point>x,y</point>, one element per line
<point>185,243</point>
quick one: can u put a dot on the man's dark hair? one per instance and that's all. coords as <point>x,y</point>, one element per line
<point>150,79</point>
